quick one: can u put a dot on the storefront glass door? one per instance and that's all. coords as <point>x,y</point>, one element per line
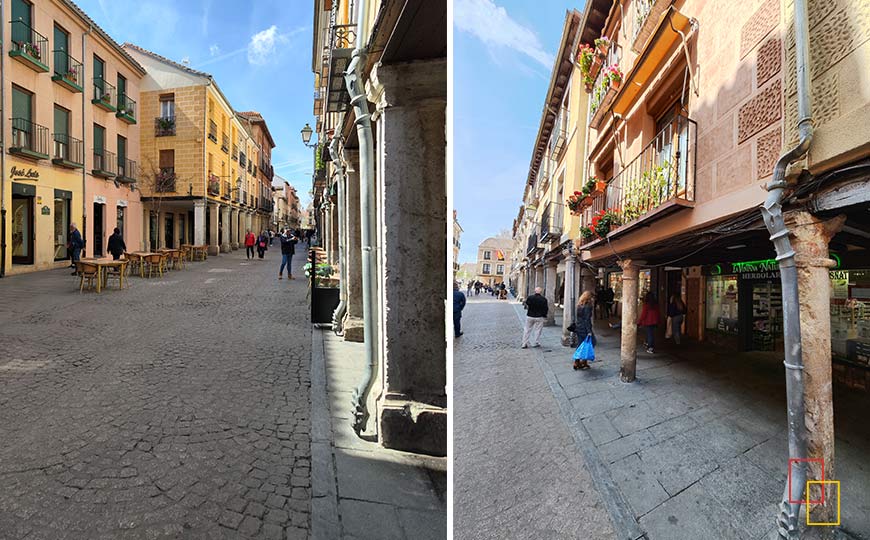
<point>169,232</point>
<point>98,230</point>
<point>61,227</point>
<point>22,230</point>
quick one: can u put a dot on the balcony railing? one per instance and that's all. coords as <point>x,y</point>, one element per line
<point>342,40</point>
<point>235,154</point>
<point>164,126</point>
<point>105,164</point>
<point>104,94</point>
<point>663,173</point>
<point>226,193</point>
<point>212,130</point>
<point>126,109</point>
<point>532,245</point>
<point>560,133</point>
<point>646,16</point>
<point>225,142</point>
<point>68,151</point>
<point>242,159</point>
<point>29,139</point>
<point>68,71</point>
<point>164,181</point>
<point>29,46</point>
<point>551,222</point>
<point>127,171</point>
<point>214,185</point>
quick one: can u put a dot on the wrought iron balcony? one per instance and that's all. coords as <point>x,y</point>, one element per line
<point>214,185</point>
<point>242,159</point>
<point>225,143</point>
<point>68,152</point>
<point>126,109</point>
<point>227,189</point>
<point>29,47</point>
<point>68,71</point>
<point>29,139</point>
<point>660,179</point>
<point>164,181</point>
<point>235,154</point>
<point>533,244</point>
<point>105,164</point>
<point>104,94</point>
<point>560,133</point>
<point>164,126</point>
<point>551,222</point>
<point>342,40</point>
<point>127,172</point>
<point>646,16</point>
<point>212,130</point>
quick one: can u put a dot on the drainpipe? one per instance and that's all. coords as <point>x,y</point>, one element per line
<point>338,315</point>
<point>787,520</point>
<point>368,221</point>
<point>2,147</point>
<point>84,140</point>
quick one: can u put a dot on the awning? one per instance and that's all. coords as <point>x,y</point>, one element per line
<point>650,60</point>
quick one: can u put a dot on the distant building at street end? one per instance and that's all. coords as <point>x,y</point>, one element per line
<point>457,232</point>
<point>493,258</point>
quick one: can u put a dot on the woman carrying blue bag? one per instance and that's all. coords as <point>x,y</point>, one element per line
<point>585,352</point>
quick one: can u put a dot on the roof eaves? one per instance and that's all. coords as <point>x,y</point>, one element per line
<point>105,35</point>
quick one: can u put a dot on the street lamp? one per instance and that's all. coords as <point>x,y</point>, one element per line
<point>306,136</point>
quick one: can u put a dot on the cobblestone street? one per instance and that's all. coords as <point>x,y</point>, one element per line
<point>517,473</point>
<point>178,408</point>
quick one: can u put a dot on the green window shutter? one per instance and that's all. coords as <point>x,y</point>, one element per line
<point>21,104</point>
<point>21,12</point>
<point>61,43</point>
<point>122,149</point>
<point>61,121</point>
<point>99,139</point>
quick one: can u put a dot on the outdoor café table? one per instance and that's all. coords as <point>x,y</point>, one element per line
<point>199,250</point>
<point>141,256</point>
<point>102,267</point>
<point>168,252</point>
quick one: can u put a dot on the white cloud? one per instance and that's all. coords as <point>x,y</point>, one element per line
<point>262,48</point>
<point>214,50</point>
<point>495,28</point>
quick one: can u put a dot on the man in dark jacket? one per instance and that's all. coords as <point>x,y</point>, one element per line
<point>458,306</point>
<point>536,316</point>
<point>76,244</point>
<point>288,249</point>
<point>116,247</point>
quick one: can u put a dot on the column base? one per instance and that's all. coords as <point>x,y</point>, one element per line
<point>214,250</point>
<point>353,329</point>
<point>234,246</point>
<point>566,338</point>
<point>225,248</point>
<point>413,427</point>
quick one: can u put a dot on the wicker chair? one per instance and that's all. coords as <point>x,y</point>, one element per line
<point>154,262</point>
<point>89,272</point>
<point>117,273</point>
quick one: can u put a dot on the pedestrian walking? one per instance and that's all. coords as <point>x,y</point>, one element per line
<point>609,296</point>
<point>116,245</point>
<point>75,245</point>
<point>458,306</point>
<point>583,324</point>
<point>250,240</point>
<point>288,249</point>
<point>676,313</point>
<point>271,236</point>
<point>649,319</point>
<point>477,286</point>
<point>502,292</point>
<point>469,286</point>
<point>262,244</point>
<point>536,316</point>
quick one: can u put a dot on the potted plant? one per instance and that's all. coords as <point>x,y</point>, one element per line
<point>585,56</point>
<point>166,123</point>
<point>598,187</point>
<point>587,234</point>
<point>602,45</point>
<point>589,187</point>
<point>604,220</point>
<point>325,296</point>
<point>613,75</point>
<point>574,202</point>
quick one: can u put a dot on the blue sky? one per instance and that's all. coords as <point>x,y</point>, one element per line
<point>502,58</point>
<point>259,53</point>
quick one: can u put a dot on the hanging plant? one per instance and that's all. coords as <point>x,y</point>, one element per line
<point>318,158</point>
<point>574,201</point>
<point>613,75</point>
<point>604,220</point>
<point>602,44</point>
<point>589,186</point>
<point>584,58</point>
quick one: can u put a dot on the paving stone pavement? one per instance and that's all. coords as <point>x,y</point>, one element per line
<point>178,408</point>
<point>517,473</point>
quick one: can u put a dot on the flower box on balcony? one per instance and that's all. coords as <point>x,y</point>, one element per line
<point>599,189</point>
<point>68,81</point>
<point>29,54</point>
<point>602,45</point>
<point>606,97</point>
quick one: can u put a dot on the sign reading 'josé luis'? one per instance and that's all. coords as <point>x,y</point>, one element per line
<point>29,174</point>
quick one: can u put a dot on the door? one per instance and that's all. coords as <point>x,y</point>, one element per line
<point>21,30</point>
<point>169,231</point>
<point>182,231</point>
<point>22,229</point>
<point>122,92</point>
<point>99,145</point>
<point>98,230</point>
<point>61,43</point>
<point>61,133</point>
<point>122,157</point>
<point>99,77</point>
<point>62,207</point>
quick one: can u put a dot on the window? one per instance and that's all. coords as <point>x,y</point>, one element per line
<point>122,86</point>
<point>62,206</point>
<point>122,158</point>
<point>167,159</point>
<point>22,21</point>
<point>487,268</point>
<point>61,133</point>
<point>22,111</point>
<point>499,269</point>
<point>722,304</point>
<point>61,43</point>
<point>487,255</point>
<point>99,139</point>
<point>167,106</point>
<point>120,221</point>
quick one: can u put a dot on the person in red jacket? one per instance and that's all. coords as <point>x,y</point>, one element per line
<point>250,240</point>
<point>649,319</point>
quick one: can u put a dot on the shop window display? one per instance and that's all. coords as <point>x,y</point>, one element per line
<point>722,304</point>
<point>850,315</point>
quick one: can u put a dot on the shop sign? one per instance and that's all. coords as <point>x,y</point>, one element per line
<point>46,211</point>
<point>21,174</point>
<point>760,269</point>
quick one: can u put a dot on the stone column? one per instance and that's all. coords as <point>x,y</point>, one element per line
<point>550,292</point>
<point>234,228</point>
<point>811,236</point>
<point>225,225</point>
<point>412,409</point>
<point>161,229</point>
<point>238,224</point>
<point>569,300</point>
<point>628,351</point>
<point>588,280</point>
<point>249,226</point>
<point>353,323</point>
<point>521,287</point>
<point>214,248</point>
<point>199,208</point>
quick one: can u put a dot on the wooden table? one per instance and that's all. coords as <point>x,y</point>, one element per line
<point>196,250</point>
<point>103,265</point>
<point>168,252</point>
<point>141,256</point>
